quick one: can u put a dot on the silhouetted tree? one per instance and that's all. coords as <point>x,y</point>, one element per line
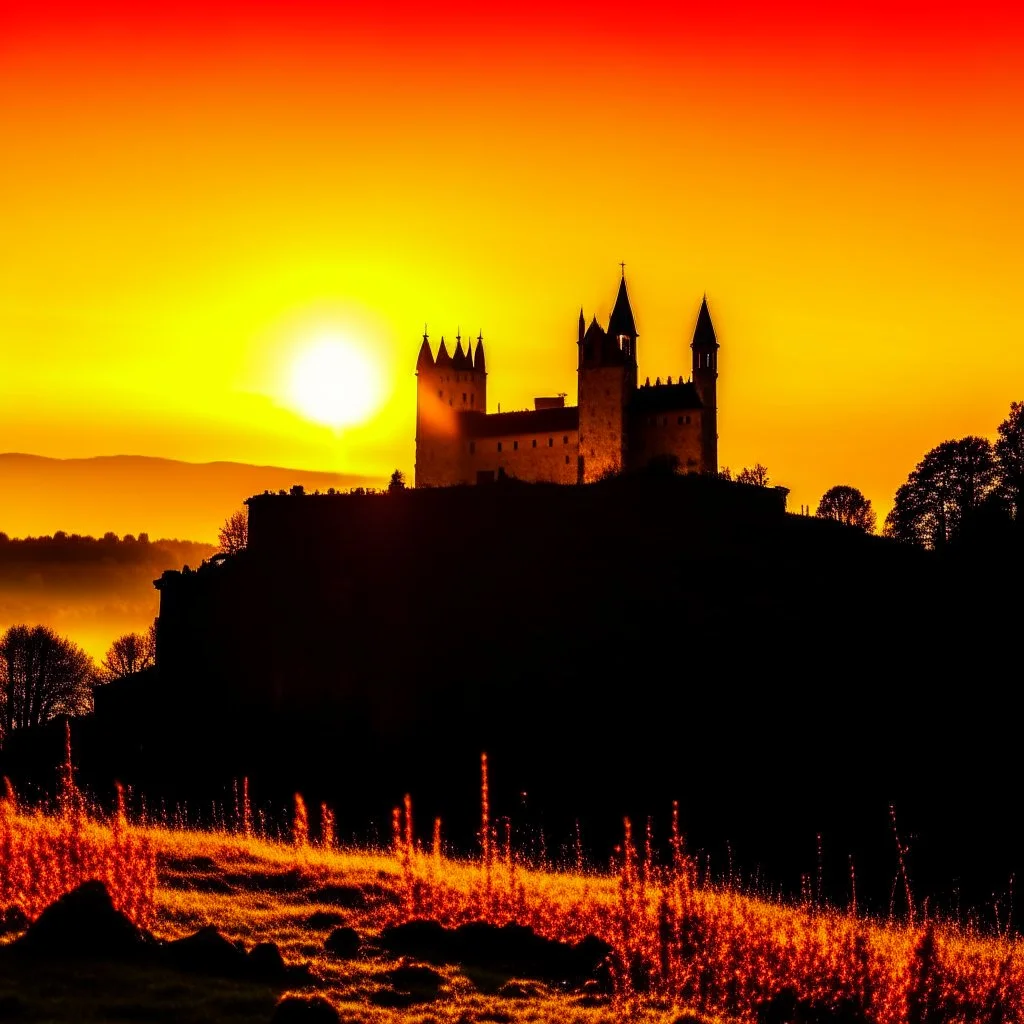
<point>1009,449</point>
<point>130,653</point>
<point>847,505</point>
<point>397,481</point>
<point>234,534</point>
<point>41,675</point>
<point>756,475</point>
<point>949,486</point>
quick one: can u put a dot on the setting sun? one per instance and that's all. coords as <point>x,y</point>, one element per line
<point>335,382</point>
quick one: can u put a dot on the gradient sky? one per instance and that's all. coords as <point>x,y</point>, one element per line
<point>191,193</point>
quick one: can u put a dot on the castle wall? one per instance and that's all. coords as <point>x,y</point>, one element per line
<point>603,427</point>
<point>532,457</point>
<point>665,434</point>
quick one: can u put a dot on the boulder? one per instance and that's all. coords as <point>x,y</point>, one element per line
<point>508,951</point>
<point>265,962</point>
<point>84,924</point>
<point>343,942</point>
<point>207,952</point>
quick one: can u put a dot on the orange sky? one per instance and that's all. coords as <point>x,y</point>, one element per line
<point>191,193</point>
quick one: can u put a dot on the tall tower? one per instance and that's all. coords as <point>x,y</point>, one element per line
<point>606,381</point>
<point>438,439</point>
<point>705,376</point>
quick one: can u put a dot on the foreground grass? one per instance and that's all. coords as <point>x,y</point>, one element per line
<point>680,952</point>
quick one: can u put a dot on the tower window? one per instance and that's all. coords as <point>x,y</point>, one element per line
<point>551,442</point>
<point>463,397</point>
<point>534,445</point>
<point>471,397</point>
<point>440,393</point>
<point>499,446</point>
<point>567,460</point>
<point>515,446</point>
<point>687,419</point>
<point>565,440</point>
<point>679,421</point>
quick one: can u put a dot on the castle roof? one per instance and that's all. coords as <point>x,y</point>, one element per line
<point>658,398</point>
<point>529,421</point>
<point>425,358</point>
<point>460,359</point>
<point>621,321</point>
<point>704,331</point>
<point>443,359</point>
<point>595,332</point>
<point>478,358</point>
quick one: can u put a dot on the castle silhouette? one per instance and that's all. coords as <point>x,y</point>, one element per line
<point>616,425</point>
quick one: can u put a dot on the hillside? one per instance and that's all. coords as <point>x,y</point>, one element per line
<point>138,494</point>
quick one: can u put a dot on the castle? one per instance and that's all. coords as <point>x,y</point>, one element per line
<point>616,425</point>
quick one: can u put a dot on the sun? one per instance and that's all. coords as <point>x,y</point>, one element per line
<point>335,381</point>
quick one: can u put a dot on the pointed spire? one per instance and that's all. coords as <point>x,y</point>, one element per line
<point>704,330</point>
<point>478,359</point>
<point>460,360</point>
<point>583,326</point>
<point>425,358</point>
<point>443,359</point>
<point>621,321</point>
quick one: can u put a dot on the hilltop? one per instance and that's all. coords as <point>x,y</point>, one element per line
<point>137,493</point>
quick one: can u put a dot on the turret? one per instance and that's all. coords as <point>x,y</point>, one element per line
<point>606,381</point>
<point>478,359</point>
<point>705,377</point>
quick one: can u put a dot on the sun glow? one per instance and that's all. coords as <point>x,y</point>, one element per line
<point>334,381</point>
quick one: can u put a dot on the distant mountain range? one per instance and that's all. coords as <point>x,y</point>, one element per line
<point>139,494</point>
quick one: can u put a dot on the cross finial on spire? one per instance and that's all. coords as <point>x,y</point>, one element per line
<point>458,334</point>
<point>480,336</point>
<point>623,265</point>
<point>425,335</point>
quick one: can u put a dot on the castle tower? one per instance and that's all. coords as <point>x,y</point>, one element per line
<point>705,376</point>
<point>438,439</point>
<point>606,380</point>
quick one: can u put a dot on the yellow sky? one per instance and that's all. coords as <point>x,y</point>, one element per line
<point>183,213</point>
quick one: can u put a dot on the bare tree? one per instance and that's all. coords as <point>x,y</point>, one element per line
<point>234,534</point>
<point>847,505</point>
<point>42,675</point>
<point>756,475</point>
<point>128,654</point>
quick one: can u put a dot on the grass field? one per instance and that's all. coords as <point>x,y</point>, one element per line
<point>679,949</point>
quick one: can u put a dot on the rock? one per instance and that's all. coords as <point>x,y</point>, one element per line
<point>296,1010</point>
<point>207,952</point>
<point>509,951</point>
<point>343,942</point>
<point>83,923</point>
<point>324,919</point>
<point>265,962</point>
<point>425,939</point>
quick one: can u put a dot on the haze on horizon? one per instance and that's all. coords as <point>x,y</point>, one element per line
<point>194,198</point>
